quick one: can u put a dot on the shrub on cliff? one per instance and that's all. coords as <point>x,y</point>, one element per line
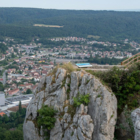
<point>81,99</point>
<point>68,66</point>
<point>46,119</point>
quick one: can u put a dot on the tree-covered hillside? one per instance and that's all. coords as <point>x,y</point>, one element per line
<point>109,25</point>
<point>11,126</point>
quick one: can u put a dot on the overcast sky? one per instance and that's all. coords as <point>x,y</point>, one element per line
<point>74,4</point>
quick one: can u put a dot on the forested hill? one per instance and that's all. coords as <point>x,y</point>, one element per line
<point>109,25</point>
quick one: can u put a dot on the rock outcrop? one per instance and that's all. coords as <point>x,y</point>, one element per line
<point>135,115</point>
<point>93,122</point>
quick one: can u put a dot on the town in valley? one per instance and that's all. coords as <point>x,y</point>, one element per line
<point>23,65</point>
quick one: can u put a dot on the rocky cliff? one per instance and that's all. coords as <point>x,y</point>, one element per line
<point>135,115</point>
<point>95,121</point>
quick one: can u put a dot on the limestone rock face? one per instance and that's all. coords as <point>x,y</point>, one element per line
<point>103,110</point>
<point>93,122</point>
<point>135,115</point>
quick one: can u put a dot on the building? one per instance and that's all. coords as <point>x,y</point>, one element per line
<point>28,47</point>
<point>2,98</point>
<point>84,65</point>
<point>16,108</point>
<point>13,92</point>
<point>2,113</point>
<point>1,80</point>
<point>11,103</point>
<point>28,86</point>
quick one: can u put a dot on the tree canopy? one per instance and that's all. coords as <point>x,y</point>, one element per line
<point>108,25</point>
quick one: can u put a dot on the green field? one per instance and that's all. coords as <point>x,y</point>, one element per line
<point>52,26</point>
<point>92,36</point>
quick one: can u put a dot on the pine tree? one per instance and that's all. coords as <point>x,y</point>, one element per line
<point>54,62</point>
<point>20,107</point>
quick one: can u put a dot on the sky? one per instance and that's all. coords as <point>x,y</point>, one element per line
<point>74,4</point>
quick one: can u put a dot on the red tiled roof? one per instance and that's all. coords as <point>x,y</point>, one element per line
<point>16,108</point>
<point>29,84</point>
<point>13,91</point>
<point>2,113</point>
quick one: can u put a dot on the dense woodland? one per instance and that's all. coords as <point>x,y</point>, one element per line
<point>109,25</point>
<point>11,126</point>
<point>105,61</point>
<point>3,48</point>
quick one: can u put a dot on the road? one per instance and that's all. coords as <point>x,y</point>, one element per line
<point>67,60</point>
<point>4,73</point>
<point>8,64</point>
<point>4,77</point>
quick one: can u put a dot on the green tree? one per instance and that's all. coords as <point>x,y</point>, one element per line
<point>1,87</point>
<point>28,91</point>
<point>20,107</point>
<point>2,133</point>
<point>14,135</point>
<point>16,50</point>
<point>5,118</point>
<point>12,116</point>
<point>30,67</point>
<point>54,62</point>
<point>3,48</point>
<point>12,55</point>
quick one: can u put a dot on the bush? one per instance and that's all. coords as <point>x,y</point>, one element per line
<point>81,99</point>
<point>46,119</point>
<point>68,66</point>
<point>124,83</point>
<point>28,91</point>
<point>127,125</point>
<point>53,72</point>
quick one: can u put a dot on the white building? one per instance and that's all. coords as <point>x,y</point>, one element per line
<point>83,65</point>
<point>2,98</point>
<point>14,101</point>
<point>118,57</point>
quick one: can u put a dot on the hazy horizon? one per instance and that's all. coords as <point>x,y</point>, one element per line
<point>133,10</point>
<point>114,5</point>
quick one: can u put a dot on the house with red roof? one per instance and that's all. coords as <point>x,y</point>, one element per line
<point>28,86</point>
<point>13,92</point>
<point>2,113</point>
<point>1,79</point>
